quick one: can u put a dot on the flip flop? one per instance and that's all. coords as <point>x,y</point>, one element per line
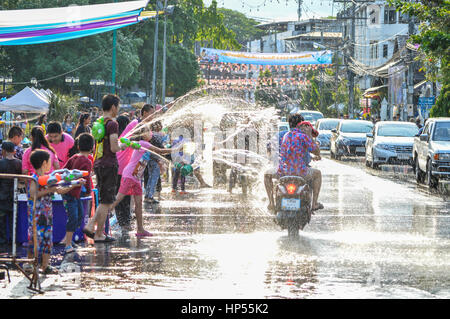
<point>144,234</point>
<point>319,206</point>
<point>106,240</point>
<point>88,233</point>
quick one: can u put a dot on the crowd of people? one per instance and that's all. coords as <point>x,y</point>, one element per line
<point>122,174</point>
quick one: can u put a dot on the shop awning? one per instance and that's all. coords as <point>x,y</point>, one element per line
<point>373,89</point>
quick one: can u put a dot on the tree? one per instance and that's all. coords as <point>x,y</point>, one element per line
<point>244,28</point>
<point>434,44</point>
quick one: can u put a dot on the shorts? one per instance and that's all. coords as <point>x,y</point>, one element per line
<point>129,186</point>
<point>106,183</point>
<point>74,211</point>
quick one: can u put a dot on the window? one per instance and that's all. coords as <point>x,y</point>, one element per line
<point>385,50</point>
<point>390,15</point>
<point>373,50</point>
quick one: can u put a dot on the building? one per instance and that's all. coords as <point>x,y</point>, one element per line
<point>296,36</point>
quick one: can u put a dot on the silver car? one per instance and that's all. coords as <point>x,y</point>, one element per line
<point>390,143</point>
<point>324,127</point>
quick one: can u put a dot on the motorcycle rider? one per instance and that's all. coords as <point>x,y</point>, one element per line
<point>271,173</point>
<point>294,154</point>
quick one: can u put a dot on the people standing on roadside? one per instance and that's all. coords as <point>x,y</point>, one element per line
<point>60,141</point>
<point>106,170</point>
<point>123,212</point>
<point>38,141</point>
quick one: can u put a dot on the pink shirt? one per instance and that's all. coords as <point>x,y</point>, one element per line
<point>26,164</point>
<point>135,157</point>
<point>123,157</point>
<point>62,148</point>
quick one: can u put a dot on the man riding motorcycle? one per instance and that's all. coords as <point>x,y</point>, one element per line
<point>294,158</point>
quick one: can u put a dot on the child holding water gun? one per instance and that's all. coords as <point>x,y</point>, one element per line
<point>41,162</point>
<point>130,184</point>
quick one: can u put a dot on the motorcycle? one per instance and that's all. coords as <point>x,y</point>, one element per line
<point>238,176</point>
<point>293,204</point>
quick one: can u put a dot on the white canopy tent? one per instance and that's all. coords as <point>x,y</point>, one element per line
<point>28,100</point>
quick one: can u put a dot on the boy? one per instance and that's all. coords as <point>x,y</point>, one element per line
<point>9,165</point>
<point>60,141</point>
<point>106,170</point>
<point>15,135</point>
<point>74,207</point>
<point>40,160</point>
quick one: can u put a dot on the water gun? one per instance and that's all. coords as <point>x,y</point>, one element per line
<point>185,169</point>
<point>128,143</point>
<point>61,176</point>
<point>98,129</point>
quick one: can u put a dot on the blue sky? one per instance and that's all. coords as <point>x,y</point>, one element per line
<point>278,9</point>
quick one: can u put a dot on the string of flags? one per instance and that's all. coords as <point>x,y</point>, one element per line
<point>233,75</point>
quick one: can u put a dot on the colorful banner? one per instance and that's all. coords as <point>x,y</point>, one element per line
<point>301,58</point>
<point>32,26</point>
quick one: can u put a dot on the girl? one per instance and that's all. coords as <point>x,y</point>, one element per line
<point>42,122</point>
<point>131,185</point>
<point>83,125</point>
<point>38,141</point>
<point>68,125</point>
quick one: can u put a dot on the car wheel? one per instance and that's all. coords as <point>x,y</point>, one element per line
<point>418,172</point>
<point>431,181</point>
<point>367,162</point>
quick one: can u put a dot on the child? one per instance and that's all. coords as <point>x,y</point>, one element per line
<point>43,215</point>
<point>131,185</point>
<point>9,165</point>
<point>74,207</point>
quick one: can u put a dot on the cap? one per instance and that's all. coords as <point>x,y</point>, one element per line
<point>315,133</point>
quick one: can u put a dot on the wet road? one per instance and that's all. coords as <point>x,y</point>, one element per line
<point>379,236</point>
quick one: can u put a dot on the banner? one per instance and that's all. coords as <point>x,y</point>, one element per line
<point>32,26</point>
<point>301,58</point>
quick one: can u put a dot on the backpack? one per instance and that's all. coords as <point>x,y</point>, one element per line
<point>98,131</point>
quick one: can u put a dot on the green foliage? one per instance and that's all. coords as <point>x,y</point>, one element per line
<point>244,28</point>
<point>60,105</point>
<point>434,41</point>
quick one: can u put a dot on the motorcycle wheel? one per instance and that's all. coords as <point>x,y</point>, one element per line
<point>244,185</point>
<point>293,231</point>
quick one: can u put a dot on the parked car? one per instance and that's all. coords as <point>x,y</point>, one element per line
<point>324,126</point>
<point>311,116</point>
<point>349,138</point>
<point>431,152</point>
<point>390,143</point>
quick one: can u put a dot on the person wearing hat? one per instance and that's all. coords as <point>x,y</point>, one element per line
<point>295,157</point>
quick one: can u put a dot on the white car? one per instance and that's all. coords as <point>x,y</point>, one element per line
<point>324,127</point>
<point>390,143</point>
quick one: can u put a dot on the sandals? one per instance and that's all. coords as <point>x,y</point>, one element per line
<point>69,249</point>
<point>144,234</point>
<point>88,233</point>
<point>50,271</point>
<point>107,239</point>
<point>319,206</point>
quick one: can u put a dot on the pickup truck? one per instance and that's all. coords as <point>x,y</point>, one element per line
<point>431,152</point>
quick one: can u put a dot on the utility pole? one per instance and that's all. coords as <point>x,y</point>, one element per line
<point>351,75</point>
<point>113,72</point>
<point>299,10</point>
<point>410,85</point>
<point>163,95</point>
<point>155,54</point>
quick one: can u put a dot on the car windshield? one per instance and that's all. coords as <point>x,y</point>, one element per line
<point>356,127</point>
<point>442,131</point>
<point>311,116</point>
<point>328,125</point>
<point>398,130</point>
